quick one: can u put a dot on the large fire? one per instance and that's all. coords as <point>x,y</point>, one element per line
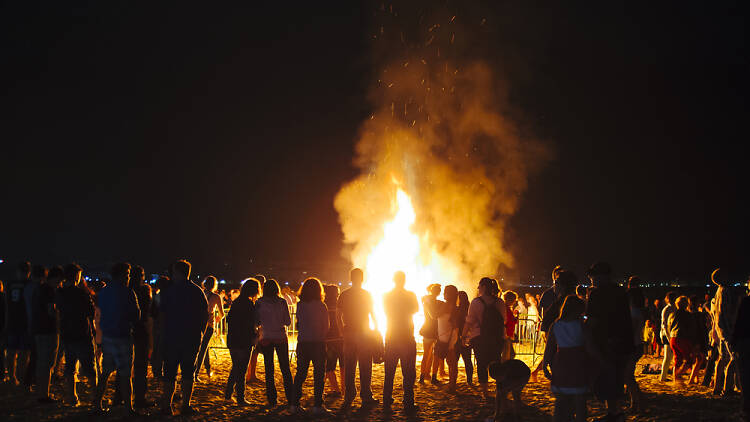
<point>401,249</point>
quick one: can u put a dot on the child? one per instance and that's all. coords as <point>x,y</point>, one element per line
<point>511,377</point>
<point>568,356</point>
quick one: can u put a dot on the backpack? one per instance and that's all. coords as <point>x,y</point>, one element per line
<point>491,328</point>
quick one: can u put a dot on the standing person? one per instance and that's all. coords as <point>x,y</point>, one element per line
<point>664,334</point>
<point>313,326</point>
<point>30,297</point>
<point>334,340</point>
<point>638,316</point>
<point>242,337</point>
<point>612,331</point>
<point>251,375</point>
<point>567,359</point>
<point>46,332</point>
<point>119,311</point>
<point>142,339</point>
<point>355,307</point>
<point>699,336</point>
<point>429,330</point>
<point>681,329</point>
<point>740,342</point>
<point>273,315</point>
<point>185,314</point>
<point>552,294</point>
<point>464,351</point>
<point>485,329</point>
<point>400,306</point>
<point>564,286</point>
<point>215,315</point>
<point>532,312</point>
<point>713,344</point>
<point>727,303</point>
<point>76,308</point>
<point>16,324</point>
<point>449,327</point>
<point>157,355</point>
<point>511,320</point>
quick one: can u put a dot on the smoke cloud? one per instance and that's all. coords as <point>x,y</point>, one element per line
<point>442,131</point>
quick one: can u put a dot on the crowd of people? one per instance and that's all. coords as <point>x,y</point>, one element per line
<point>595,331</point>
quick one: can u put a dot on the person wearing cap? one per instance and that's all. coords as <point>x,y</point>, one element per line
<point>608,318</point>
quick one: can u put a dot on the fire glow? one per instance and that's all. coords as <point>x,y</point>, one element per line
<point>401,249</point>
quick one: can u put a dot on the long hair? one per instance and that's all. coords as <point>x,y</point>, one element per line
<point>311,290</point>
<point>463,301</point>
<point>331,292</point>
<point>250,288</point>
<point>571,309</point>
<point>271,288</point>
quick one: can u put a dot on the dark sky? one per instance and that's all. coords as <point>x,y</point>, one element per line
<point>223,134</point>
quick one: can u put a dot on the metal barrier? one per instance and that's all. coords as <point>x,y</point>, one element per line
<point>527,341</point>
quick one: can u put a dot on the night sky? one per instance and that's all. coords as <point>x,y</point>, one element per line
<point>222,134</point>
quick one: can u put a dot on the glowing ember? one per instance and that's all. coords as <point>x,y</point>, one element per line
<point>401,249</point>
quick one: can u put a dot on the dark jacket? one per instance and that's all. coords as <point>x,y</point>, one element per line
<point>119,310</point>
<point>242,324</point>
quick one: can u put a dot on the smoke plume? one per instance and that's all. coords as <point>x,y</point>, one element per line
<point>441,130</point>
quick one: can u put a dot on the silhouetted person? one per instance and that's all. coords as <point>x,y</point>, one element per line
<point>638,316</point>
<point>334,341</point>
<point>681,329</point>
<point>119,311</point>
<point>400,306</point>
<point>30,296</point>
<point>273,315</point>
<point>568,356</point>
<point>215,315</point>
<point>251,375</point>
<point>485,329</point>
<point>429,331</point>
<point>242,337</point>
<point>727,303</point>
<point>18,340</point>
<point>46,332</point>
<point>143,340</point>
<point>464,351</point>
<point>157,355</point>
<point>446,348</point>
<point>312,317</point>
<point>76,307</point>
<point>666,312</point>
<point>355,307</point>
<point>612,331</point>
<point>185,312</point>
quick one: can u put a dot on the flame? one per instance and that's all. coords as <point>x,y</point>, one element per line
<point>401,249</point>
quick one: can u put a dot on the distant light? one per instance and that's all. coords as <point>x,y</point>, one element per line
<point>223,282</point>
<point>1,261</point>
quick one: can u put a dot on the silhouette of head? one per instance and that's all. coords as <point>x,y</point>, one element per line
<point>181,270</point>
<point>72,274</point>
<point>210,284</point>
<point>250,288</point>
<point>399,279</point>
<point>121,273</point>
<point>356,276</point>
